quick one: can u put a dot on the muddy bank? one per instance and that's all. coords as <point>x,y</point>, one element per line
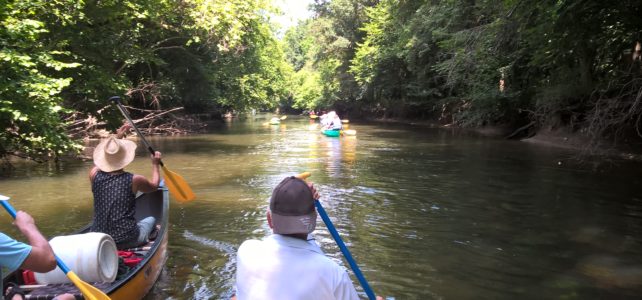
<point>629,147</point>
<point>584,146</point>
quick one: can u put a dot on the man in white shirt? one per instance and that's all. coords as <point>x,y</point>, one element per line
<point>289,264</point>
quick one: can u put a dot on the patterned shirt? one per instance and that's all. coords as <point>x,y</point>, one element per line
<point>114,206</point>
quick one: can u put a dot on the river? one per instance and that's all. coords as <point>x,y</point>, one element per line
<point>427,213</point>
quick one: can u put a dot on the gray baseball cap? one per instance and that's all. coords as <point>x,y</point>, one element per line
<point>292,207</point>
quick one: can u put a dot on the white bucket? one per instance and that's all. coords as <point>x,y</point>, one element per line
<point>92,256</point>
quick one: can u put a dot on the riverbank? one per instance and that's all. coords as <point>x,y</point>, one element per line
<point>629,148</point>
<point>585,147</point>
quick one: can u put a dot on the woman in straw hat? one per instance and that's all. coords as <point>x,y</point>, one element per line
<point>115,191</point>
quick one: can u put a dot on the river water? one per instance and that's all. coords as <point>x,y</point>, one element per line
<point>427,213</point>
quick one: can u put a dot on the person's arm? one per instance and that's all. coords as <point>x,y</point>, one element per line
<point>141,184</point>
<point>122,131</point>
<point>41,258</point>
<point>92,173</point>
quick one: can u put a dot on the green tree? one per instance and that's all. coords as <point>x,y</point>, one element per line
<point>63,59</point>
<point>30,83</point>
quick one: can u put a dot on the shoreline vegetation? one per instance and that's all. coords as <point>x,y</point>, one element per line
<point>558,72</point>
<point>563,138</point>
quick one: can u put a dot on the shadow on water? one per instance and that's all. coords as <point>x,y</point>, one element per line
<point>427,213</point>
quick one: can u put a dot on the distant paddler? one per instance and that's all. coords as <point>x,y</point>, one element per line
<point>275,120</point>
<point>313,114</point>
<point>331,121</point>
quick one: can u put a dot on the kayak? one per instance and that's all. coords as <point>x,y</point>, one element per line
<point>331,133</point>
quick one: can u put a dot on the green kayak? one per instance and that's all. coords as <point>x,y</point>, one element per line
<point>332,133</point>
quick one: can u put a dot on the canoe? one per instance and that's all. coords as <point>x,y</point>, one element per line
<point>331,133</point>
<point>138,281</point>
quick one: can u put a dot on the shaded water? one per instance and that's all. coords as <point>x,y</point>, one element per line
<point>427,213</point>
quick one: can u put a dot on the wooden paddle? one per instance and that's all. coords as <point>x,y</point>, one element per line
<point>90,292</point>
<point>176,185</point>
<point>339,241</point>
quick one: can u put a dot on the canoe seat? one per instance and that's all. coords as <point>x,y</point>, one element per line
<point>50,291</point>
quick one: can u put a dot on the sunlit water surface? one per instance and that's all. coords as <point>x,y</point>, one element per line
<point>427,213</point>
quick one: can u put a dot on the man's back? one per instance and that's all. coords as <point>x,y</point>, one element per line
<point>282,267</point>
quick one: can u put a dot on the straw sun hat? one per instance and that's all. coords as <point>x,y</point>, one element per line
<point>113,154</point>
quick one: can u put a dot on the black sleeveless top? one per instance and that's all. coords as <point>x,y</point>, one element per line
<point>114,206</point>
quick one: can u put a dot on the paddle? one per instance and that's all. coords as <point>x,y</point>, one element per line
<point>89,291</point>
<point>349,132</point>
<point>175,183</point>
<point>342,246</point>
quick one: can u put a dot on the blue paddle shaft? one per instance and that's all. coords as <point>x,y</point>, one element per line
<point>7,206</point>
<point>61,265</point>
<point>344,250</point>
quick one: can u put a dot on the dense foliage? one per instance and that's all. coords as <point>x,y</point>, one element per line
<point>60,59</point>
<point>321,51</point>
<point>550,63</point>
<point>570,63</point>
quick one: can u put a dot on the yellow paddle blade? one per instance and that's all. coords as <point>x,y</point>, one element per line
<point>177,186</point>
<point>87,290</point>
<point>345,121</point>
<point>284,117</point>
<point>303,175</point>
<point>350,132</point>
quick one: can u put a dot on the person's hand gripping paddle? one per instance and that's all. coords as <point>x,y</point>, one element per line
<point>176,185</point>
<point>342,246</point>
<point>89,292</point>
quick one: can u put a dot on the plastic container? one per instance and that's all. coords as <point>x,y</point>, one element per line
<point>92,256</point>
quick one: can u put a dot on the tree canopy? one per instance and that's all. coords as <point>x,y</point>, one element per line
<point>574,63</point>
<point>61,58</point>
